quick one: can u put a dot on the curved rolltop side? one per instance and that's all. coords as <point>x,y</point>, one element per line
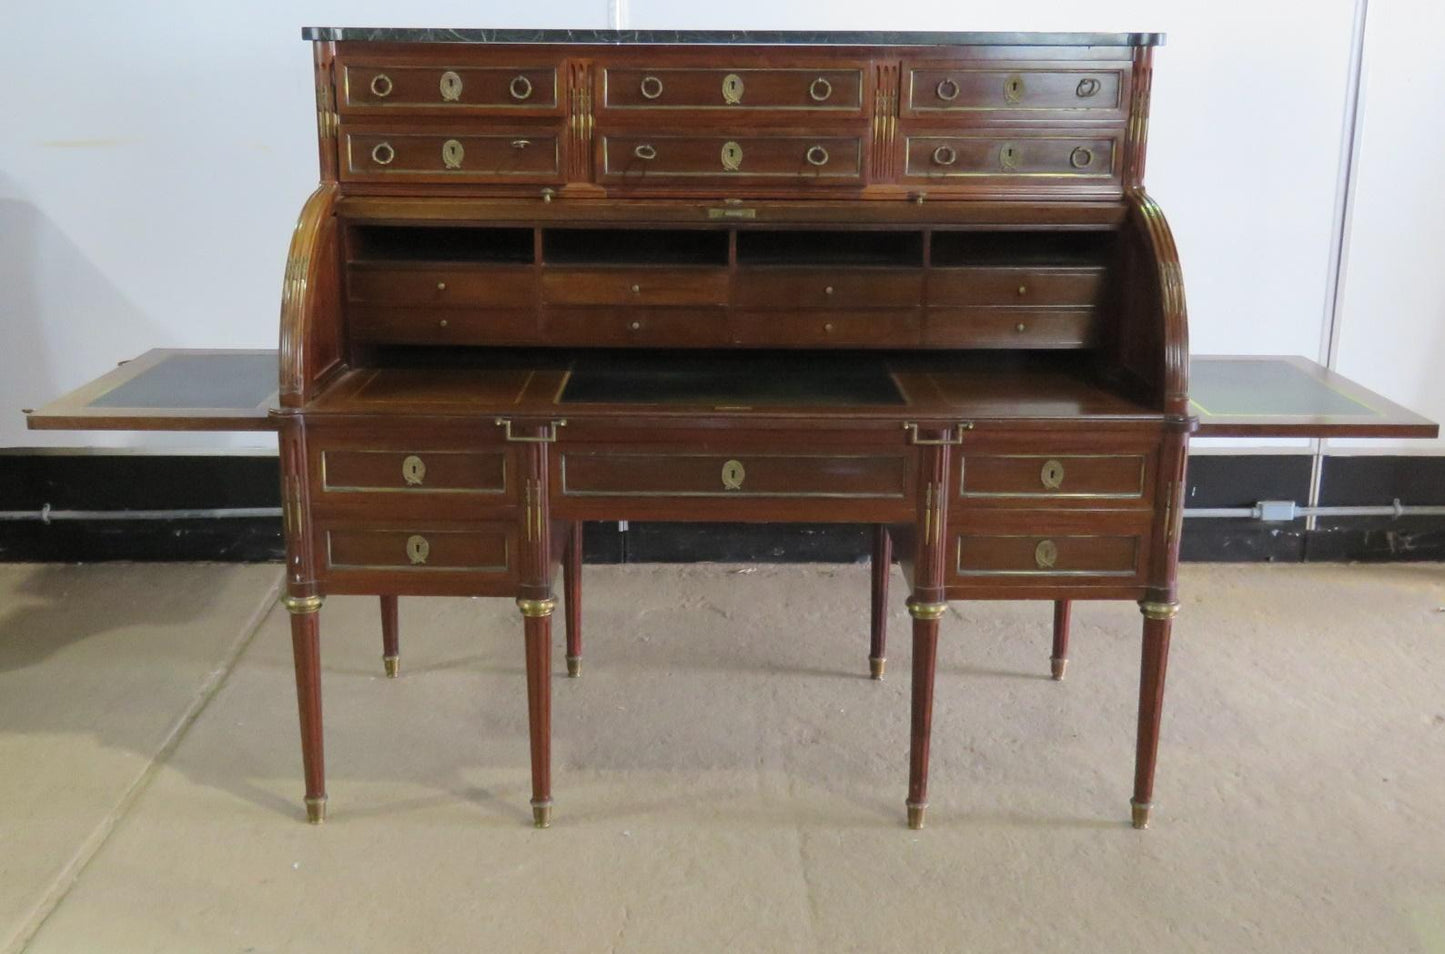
<point>1153,344</point>
<point>311,343</point>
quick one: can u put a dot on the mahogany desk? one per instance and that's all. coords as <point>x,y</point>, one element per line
<point>907,280</point>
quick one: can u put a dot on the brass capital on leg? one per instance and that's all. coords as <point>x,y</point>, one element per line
<point>927,610</point>
<point>535,608</point>
<point>1153,610</point>
<point>316,809</point>
<point>1140,813</point>
<point>301,605</point>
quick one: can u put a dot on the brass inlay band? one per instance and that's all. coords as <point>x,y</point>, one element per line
<point>733,475</point>
<point>1046,554</point>
<point>732,156</point>
<point>955,436</point>
<point>927,610</point>
<point>417,549</point>
<point>537,608</point>
<point>1052,474</point>
<point>413,470</point>
<point>301,605</point>
<point>1153,610</point>
<point>381,85</point>
<point>453,153</point>
<point>450,85</point>
<point>520,88</point>
<point>732,89</point>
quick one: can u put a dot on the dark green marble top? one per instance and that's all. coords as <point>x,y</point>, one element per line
<point>727,37</point>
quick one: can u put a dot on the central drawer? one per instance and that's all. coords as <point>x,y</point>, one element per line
<point>588,473</point>
<point>767,89</point>
<point>640,157</point>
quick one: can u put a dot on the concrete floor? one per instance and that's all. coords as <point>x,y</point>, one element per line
<point>726,777</point>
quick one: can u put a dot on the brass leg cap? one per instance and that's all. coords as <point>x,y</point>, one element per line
<point>574,666</point>
<point>915,816</point>
<point>393,665</point>
<point>316,810</point>
<point>1140,812</point>
<point>542,814</point>
<point>876,665</point>
<point>1058,666</point>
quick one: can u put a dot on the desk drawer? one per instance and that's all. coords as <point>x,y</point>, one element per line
<point>733,90</point>
<point>635,158</point>
<point>1060,158</point>
<point>1086,93</point>
<point>986,327</point>
<point>1033,477</point>
<point>531,156</point>
<point>496,286</point>
<point>1014,286</point>
<point>443,326</point>
<point>419,550</point>
<point>879,328</point>
<point>622,327</point>
<point>635,286</point>
<point>741,474</point>
<point>416,472</point>
<point>828,288</point>
<point>500,90</point>
<point>1033,555</point>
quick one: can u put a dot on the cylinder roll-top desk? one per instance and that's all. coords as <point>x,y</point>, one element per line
<point>905,280</point>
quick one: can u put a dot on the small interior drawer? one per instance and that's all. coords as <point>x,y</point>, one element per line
<point>1015,286</point>
<point>1096,476</point>
<point>950,89</point>
<point>991,327</point>
<point>878,328</point>
<point>499,89</point>
<point>497,286</point>
<point>450,326</point>
<point>732,90</point>
<point>414,471</point>
<point>768,287</point>
<point>635,286</point>
<point>477,550</point>
<point>736,474</point>
<point>1049,555</point>
<point>625,327</point>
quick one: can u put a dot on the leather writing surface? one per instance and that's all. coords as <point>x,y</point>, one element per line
<point>210,381</point>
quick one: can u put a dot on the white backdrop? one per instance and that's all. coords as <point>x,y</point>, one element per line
<point>153,157</point>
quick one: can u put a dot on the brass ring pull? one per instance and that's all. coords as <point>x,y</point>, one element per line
<point>413,470</point>
<point>451,87</point>
<point>820,89</point>
<point>382,153</point>
<point>951,85</point>
<point>945,155</point>
<point>645,151</point>
<point>651,87</point>
<point>521,143</point>
<point>521,87</point>
<point>417,549</point>
<point>381,85</point>
<point>1080,158</point>
<point>1087,87</point>
<point>817,156</point>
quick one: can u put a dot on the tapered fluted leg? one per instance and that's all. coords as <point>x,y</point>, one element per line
<point>1158,621</point>
<point>537,622</point>
<point>390,638</point>
<point>572,595</point>
<point>306,647</point>
<point>1059,659</point>
<point>882,567</point>
<point>925,656</point>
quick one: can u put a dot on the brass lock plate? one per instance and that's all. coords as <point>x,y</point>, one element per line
<point>732,156</point>
<point>732,89</point>
<point>452,154</point>
<point>451,87</point>
<point>733,475</point>
<point>413,470</point>
<point>417,549</point>
<point>1046,554</point>
<point>1051,475</point>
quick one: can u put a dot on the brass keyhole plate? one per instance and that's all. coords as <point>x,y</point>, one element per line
<point>732,89</point>
<point>413,470</point>
<point>1052,475</point>
<point>417,549</point>
<point>732,156</point>
<point>451,87</point>
<point>1046,554</point>
<point>733,474</point>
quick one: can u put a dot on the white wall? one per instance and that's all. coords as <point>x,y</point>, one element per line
<point>151,170</point>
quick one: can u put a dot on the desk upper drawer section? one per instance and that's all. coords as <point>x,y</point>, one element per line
<point>837,90</point>
<point>982,92</point>
<point>448,89</point>
<point>442,156</point>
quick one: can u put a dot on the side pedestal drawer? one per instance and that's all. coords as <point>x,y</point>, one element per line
<point>417,557</point>
<point>1032,549</point>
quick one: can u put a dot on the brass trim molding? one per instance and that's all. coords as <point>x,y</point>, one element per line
<point>301,605</point>
<point>927,611</point>
<point>1152,610</point>
<point>536,608</point>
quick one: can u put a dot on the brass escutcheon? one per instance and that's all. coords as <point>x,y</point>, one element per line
<point>951,85</point>
<point>733,475</point>
<point>520,87</point>
<point>945,155</point>
<point>1008,157</point>
<point>817,156</point>
<point>732,89</point>
<point>453,154</point>
<point>1052,474</point>
<point>417,549</point>
<point>650,87</point>
<point>1013,89</point>
<point>382,153</point>
<point>413,470</point>
<point>732,156</point>
<point>820,89</point>
<point>451,87</point>
<point>645,152</point>
<point>1046,554</point>
<point>381,85</point>
<point>1080,158</point>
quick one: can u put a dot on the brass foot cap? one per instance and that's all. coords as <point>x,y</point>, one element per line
<point>1058,666</point>
<point>1140,812</point>
<point>316,810</point>
<point>875,666</point>
<point>393,665</point>
<point>574,666</point>
<point>915,816</point>
<point>542,815</point>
